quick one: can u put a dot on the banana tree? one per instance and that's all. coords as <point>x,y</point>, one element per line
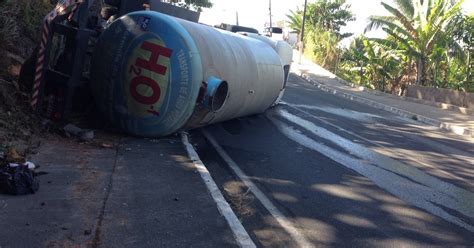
<point>354,58</point>
<point>417,24</point>
<point>375,64</point>
<point>295,18</point>
<point>381,64</point>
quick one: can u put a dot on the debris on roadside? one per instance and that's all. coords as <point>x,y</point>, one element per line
<point>12,156</point>
<point>28,164</point>
<point>18,179</point>
<point>106,145</point>
<point>17,175</point>
<point>82,134</point>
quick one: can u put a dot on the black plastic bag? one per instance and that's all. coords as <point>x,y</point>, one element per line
<point>18,180</point>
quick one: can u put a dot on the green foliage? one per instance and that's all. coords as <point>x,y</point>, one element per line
<point>321,47</point>
<point>463,31</point>
<point>32,14</point>
<point>421,27</point>
<point>19,18</point>
<point>20,25</point>
<point>428,42</point>
<point>196,4</point>
<point>370,63</point>
<point>354,60</point>
<point>8,27</point>
<point>322,30</point>
<point>330,15</point>
<point>295,19</point>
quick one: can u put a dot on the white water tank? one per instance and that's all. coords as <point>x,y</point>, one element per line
<point>153,74</point>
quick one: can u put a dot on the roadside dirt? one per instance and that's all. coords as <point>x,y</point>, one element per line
<point>20,22</point>
<point>19,127</point>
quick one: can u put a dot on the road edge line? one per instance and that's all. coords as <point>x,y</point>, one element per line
<point>272,209</point>
<point>240,234</point>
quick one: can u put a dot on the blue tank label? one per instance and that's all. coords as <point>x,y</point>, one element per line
<point>154,71</point>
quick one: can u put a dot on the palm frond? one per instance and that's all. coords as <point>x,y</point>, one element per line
<point>437,27</point>
<point>389,44</point>
<point>295,20</point>
<point>388,22</point>
<point>404,20</point>
<point>454,10</point>
<point>379,21</point>
<point>406,6</point>
<point>458,51</point>
<point>408,46</point>
<point>437,10</point>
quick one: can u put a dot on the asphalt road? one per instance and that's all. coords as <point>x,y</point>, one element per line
<point>316,171</point>
<point>339,173</point>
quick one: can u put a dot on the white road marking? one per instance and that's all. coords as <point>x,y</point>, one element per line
<point>240,234</point>
<point>453,152</point>
<point>272,209</point>
<point>408,183</point>
<point>347,113</point>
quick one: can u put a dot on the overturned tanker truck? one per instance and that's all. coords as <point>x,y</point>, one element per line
<point>152,74</point>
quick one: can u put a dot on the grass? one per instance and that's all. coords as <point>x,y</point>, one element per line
<point>20,28</point>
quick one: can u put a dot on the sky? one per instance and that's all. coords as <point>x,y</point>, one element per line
<point>254,13</point>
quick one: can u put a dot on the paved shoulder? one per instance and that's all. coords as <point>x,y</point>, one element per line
<point>158,200</point>
<point>144,193</point>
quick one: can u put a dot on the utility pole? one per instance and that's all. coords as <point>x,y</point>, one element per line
<point>270,10</point>
<point>237,18</point>
<point>302,31</point>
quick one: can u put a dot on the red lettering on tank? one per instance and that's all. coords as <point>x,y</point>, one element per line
<point>152,63</point>
<point>142,80</point>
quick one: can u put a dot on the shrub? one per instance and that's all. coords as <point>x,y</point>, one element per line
<point>20,28</point>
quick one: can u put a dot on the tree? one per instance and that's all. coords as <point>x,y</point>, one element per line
<point>196,4</point>
<point>321,47</point>
<point>295,18</point>
<point>418,25</point>
<point>375,65</point>
<point>356,54</point>
<point>330,15</point>
<point>325,20</point>
<point>463,32</point>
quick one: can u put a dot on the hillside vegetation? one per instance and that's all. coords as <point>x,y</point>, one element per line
<point>428,43</point>
<point>20,25</point>
<point>20,30</point>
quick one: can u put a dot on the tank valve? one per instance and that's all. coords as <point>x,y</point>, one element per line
<point>215,93</point>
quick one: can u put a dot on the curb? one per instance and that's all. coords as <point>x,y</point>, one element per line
<point>441,105</point>
<point>403,113</point>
